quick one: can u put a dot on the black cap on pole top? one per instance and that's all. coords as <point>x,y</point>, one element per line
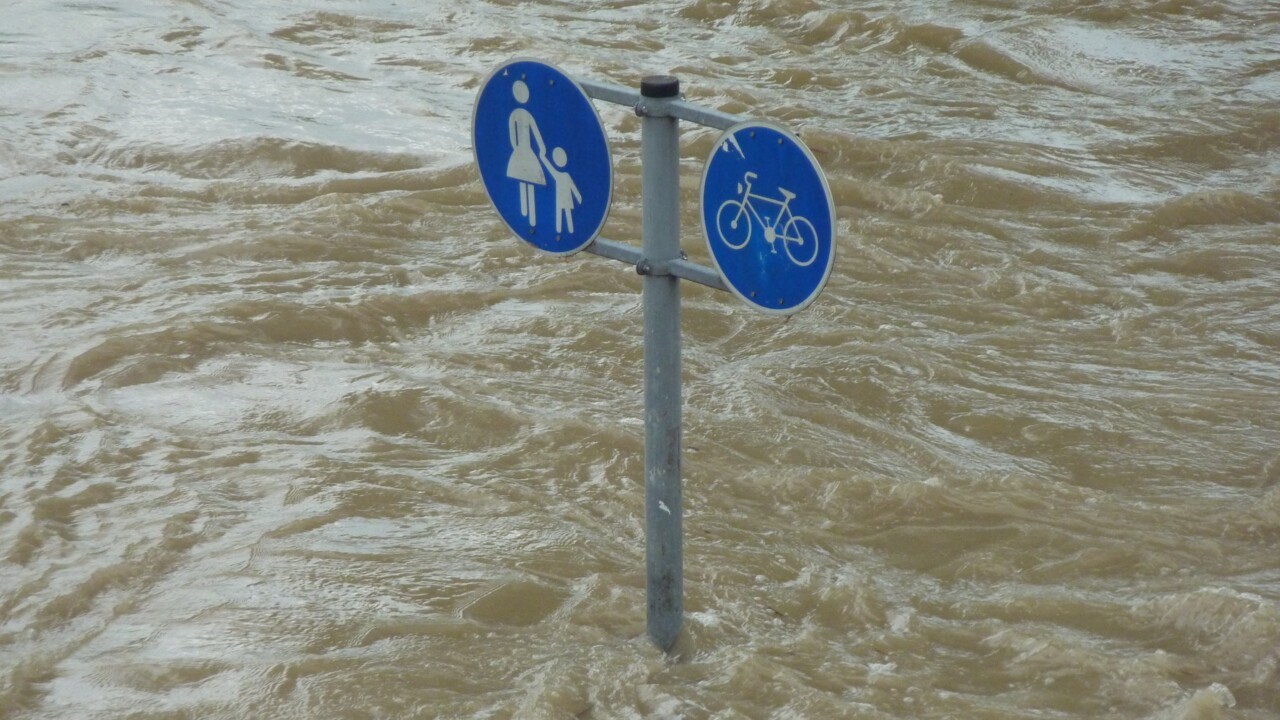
<point>660,86</point>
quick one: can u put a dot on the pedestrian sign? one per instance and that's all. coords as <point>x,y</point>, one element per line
<point>768,217</point>
<point>543,156</point>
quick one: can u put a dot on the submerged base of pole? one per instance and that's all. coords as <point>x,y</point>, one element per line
<point>660,233</point>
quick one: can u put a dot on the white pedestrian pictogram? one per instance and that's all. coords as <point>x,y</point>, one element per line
<point>567,195</point>
<point>733,223</point>
<point>530,168</point>
<point>525,165</point>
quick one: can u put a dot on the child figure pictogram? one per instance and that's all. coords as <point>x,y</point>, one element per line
<point>567,194</point>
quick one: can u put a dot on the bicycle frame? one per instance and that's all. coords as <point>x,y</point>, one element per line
<point>771,229</point>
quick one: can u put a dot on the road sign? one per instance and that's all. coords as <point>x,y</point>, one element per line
<point>768,217</point>
<point>543,156</point>
<point>767,214</point>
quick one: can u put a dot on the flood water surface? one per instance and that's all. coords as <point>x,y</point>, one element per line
<point>293,427</point>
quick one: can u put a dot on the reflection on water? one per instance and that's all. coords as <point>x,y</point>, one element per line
<point>294,429</point>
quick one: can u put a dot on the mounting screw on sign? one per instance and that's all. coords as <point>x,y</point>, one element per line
<point>768,217</point>
<point>543,156</point>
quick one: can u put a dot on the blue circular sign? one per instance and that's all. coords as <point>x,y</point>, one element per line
<point>768,217</point>
<point>543,156</point>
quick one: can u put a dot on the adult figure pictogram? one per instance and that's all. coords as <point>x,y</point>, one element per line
<point>525,166</point>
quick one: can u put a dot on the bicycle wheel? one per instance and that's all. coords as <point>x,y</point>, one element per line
<point>800,240</point>
<point>734,224</point>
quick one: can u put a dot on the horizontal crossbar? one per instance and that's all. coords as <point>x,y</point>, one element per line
<point>660,107</point>
<point>680,268</point>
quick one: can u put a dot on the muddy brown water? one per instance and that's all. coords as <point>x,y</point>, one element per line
<point>291,427</point>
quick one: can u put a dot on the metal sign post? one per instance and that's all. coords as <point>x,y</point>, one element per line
<point>660,234</point>
<point>527,112</point>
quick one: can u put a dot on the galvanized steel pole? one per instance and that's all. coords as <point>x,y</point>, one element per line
<point>660,233</point>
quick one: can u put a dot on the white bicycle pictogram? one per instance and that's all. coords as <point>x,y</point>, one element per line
<point>733,223</point>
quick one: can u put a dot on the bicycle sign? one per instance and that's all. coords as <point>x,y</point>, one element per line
<point>733,223</point>
<point>768,217</point>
